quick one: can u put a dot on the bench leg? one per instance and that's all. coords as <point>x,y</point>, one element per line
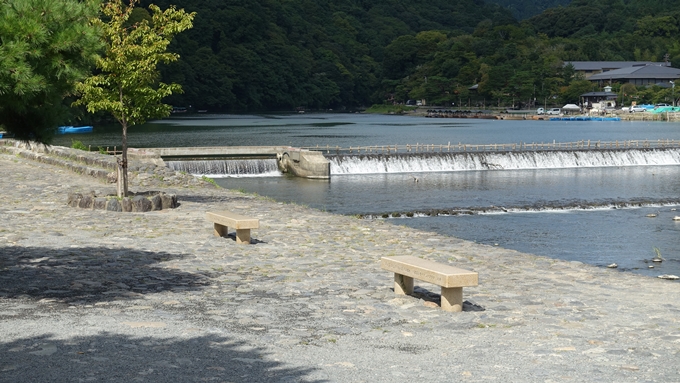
<point>452,299</point>
<point>243,236</point>
<point>403,285</point>
<point>220,230</point>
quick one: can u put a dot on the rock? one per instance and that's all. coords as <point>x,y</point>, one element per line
<point>669,277</point>
<point>613,266</point>
<point>141,204</point>
<point>156,202</point>
<point>86,202</point>
<point>168,201</point>
<point>111,177</point>
<point>74,199</point>
<point>113,205</point>
<point>127,204</point>
<point>99,203</point>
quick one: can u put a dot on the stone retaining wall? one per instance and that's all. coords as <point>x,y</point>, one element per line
<point>87,163</point>
<point>144,174</point>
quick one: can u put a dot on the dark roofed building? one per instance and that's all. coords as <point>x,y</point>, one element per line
<point>607,97</point>
<point>600,100</point>
<point>638,75</point>
<point>590,68</point>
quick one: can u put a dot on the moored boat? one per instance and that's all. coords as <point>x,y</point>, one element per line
<point>74,129</point>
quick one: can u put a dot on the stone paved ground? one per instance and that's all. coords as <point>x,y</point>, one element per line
<point>88,295</point>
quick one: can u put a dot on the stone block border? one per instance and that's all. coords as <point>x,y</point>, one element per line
<point>145,171</point>
<point>137,203</point>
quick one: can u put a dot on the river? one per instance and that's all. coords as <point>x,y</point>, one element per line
<point>589,207</point>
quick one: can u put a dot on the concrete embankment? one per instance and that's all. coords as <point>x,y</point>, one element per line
<point>87,295</point>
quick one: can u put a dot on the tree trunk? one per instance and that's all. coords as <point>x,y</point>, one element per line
<point>123,167</point>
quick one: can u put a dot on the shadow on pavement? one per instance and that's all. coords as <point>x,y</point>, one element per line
<point>122,358</point>
<point>90,274</point>
<point>212,199</point>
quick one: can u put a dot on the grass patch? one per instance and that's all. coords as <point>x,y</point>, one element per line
<point>210,181</point>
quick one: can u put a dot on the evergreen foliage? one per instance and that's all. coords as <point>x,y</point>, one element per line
<point>45,46</point>
<point>524,9</point>
<point>274,54</point>
<point>334,54</point>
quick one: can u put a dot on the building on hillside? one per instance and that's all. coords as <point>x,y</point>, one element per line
<point>642,75</point>
<point>599,102</point>
<point>590,68</point>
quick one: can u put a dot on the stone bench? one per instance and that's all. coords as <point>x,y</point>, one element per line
<point>224,219</point>
<point>451,279</point>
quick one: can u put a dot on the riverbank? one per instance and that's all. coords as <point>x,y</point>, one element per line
<point>154,297</point>
<point>507,114</point>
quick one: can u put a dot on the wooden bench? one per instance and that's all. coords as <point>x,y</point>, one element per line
<point>224,219</point>
<point>451,279</point>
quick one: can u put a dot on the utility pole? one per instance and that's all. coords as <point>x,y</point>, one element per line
<point>673,91</point>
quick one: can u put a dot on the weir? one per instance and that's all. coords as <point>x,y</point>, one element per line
<point>241,160</point>
<point>269,161</point>
<point>227,168</point>
<point>508,160</point>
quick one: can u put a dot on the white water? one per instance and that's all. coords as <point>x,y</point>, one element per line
<point>441,162</point>
<point>228,168</point>
<point>448,162</point>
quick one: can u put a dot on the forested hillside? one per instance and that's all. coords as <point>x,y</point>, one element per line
<point>279,55</point>
<point>274,54</point>
<point>524,9</point>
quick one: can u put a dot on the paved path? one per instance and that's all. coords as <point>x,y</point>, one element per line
<point>87,295</point>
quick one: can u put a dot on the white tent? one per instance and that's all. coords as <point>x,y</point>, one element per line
<point>571,109</point>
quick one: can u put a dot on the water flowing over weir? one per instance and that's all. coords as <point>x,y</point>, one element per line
<point>228,168</point>
<point>508,160</point>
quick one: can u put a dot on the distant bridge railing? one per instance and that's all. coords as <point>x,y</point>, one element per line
<point>460,147</point>
<point>520,146</point>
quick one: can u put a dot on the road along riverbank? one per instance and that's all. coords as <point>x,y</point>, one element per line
<point>89,295</point>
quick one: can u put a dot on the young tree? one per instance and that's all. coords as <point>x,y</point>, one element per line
<point>45,47</point>
<point>127,84</point>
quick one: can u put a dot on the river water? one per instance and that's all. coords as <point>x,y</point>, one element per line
<point>589,206</point>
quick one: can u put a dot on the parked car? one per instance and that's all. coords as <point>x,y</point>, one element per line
<point>637,109</point>
<point>554,111</point>
<point>540,111</point>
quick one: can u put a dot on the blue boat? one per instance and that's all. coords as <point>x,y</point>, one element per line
<point>74,129</point>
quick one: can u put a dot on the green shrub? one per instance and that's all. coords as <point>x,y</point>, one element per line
<point>75,144</point>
